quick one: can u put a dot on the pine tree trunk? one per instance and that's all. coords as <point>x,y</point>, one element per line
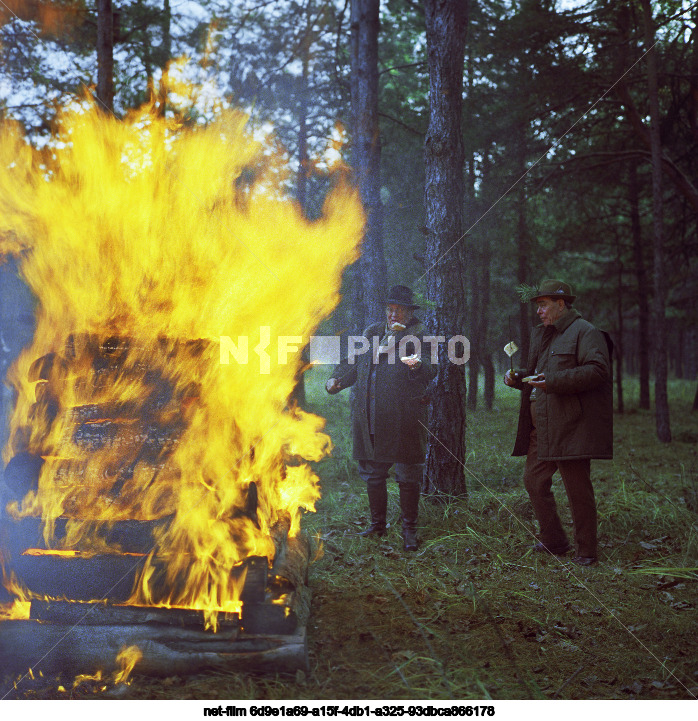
<point>485,354</point>
<point>619,340</point>
<point>166,19</point>
<point>523,245</point>
<point>298,394</point>
<point>472,265</point>
<point>105,54</point>
<point>643,290</point>
<point>370,292</point>
<point>446,23</point>
<point>661,400</point>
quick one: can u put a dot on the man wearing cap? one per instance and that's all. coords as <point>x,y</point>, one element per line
<point>566,417</point>
<point>391,374</point>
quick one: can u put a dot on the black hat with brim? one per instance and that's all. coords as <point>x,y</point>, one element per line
<point>401,295</point>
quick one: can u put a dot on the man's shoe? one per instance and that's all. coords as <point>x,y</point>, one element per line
<point>585,560</point>
<point>554,550</point>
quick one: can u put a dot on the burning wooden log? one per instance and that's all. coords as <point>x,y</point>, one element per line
<point>98,574</point>
<point>114,576</point>
<point>71,637</point>
<point>105,614</point>
<point>16,536</point>
<point>166,650</point>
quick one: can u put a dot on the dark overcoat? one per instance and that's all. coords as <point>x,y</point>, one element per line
<point>399,394</point>
<point>574,415</point>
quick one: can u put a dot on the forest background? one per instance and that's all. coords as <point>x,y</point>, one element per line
<point>571,154</point>
<point>573,135</point>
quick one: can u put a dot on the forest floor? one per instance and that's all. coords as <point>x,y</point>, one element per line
<point>474,613</point>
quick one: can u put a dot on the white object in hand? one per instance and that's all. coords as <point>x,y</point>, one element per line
<point>528,379</point>
<point>411,360</point>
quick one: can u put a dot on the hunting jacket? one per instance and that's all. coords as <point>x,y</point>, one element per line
<point>574,415</point>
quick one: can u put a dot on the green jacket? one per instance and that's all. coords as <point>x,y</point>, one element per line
<point>574,415</point>
<point>399,399</point>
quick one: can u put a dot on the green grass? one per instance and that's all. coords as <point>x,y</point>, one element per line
<point>474,614</point>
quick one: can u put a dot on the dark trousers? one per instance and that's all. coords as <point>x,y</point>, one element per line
<point>375,473</point>
<point>538,479</point>
<point>409,477</point>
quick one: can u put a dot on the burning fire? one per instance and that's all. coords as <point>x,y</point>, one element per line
<point>145,243</point>
<point>17,610</point>
<point>127,658</point>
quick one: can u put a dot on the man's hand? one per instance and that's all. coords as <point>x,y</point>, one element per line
<point>510,379</point>
<point>539,382</point>
<point>412,361</point>
<point>333,386</point>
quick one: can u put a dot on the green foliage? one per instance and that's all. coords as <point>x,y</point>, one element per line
<point>526,292</point>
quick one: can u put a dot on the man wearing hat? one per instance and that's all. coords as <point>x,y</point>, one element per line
<point>389,409</point>
<point>566,417</point>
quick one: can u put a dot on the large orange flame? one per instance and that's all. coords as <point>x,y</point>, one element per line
<point>145,243</point>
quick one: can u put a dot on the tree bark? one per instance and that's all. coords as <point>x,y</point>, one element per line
<point>693,90</point>
<point>446,23</point>
<point>661,400</point>
<point>485,351</point>
<point>619,341</point>
<point>166,55</point>
<point>472,261</point>
<point>522,242</point>
<point>105,54</point>
<point>485,275</point>
<point>643,290</point>
<point>369,296</point>
<point>298,394</point>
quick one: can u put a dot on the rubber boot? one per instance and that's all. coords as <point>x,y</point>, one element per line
<point>378,506</point>
<point>409,505</point>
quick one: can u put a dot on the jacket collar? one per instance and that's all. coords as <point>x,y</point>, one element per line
<point>569,315</point>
